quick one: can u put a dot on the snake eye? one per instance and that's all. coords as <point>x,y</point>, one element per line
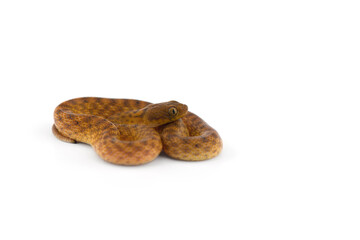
<point>173,111</point>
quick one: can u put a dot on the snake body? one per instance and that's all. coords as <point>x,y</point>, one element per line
<point>134,132</point>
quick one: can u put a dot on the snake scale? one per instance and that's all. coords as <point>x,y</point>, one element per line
<point>134,132</point>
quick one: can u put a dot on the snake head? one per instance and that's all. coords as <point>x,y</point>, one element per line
<point>162,113</point>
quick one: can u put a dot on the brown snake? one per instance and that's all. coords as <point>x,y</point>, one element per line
<point>133,132</point>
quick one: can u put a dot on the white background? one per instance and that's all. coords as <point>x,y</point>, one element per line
<point>279,80</point>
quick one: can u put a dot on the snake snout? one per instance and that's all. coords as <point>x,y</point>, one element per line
<point>183,108</point>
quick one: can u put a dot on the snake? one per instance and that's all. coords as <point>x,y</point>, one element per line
<point>135,132</point>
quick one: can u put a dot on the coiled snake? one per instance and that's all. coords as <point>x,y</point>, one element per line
<point>133,132</point>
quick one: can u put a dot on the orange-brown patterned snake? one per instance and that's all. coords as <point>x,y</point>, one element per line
<point>134,132</point>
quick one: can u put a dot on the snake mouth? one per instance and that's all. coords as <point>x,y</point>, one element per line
<point>183,109</point>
